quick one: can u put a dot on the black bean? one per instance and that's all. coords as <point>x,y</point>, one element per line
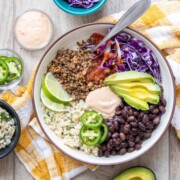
<point>106,120</point>
<point>131,144</point>
<point>115,118</point>
<point>127,136</point>
<point>149,130</point>
<point>146,112</point>
<point>124,114</point>
<point>124,144</point>
<point>109,123</point>
<point>111,141</point>
<point>147,135</point>
<point>126,108</point>
<point>127,126</point>
<point>130,113</point>
<point>109,135</point>
<point>104,148</point>
<point>113,153</point>
<point>117,148</point>
<point>130,150</point>
<point>152,107</point>
<point>109,146</point>
<point>121,106</point>
<point>155,111</point>
<point>111,129</point>
<point>121,120</point>
<point>137,146</point>
<point>154,115</point>
<point>145,118</point>
<point>131,138</point>
<point>122,136</point>
<point>118,108</point>
<point>118,141</point>
<point>149,125</point>
<point>114,140</point>
<point>136,113</point>
<point>134,130</point>
<point>100,153</point>
<point>118,112</point>
<point>141,126</point>
<point>115,135</point>
<point>131,118</point>
<point>156,120</point>
<point>141,135</point>
<point>137,139</point>
<point>121,127</point>
<point>133,133</point>
<point>116,125</point>
<point>163,102</point>
<point>162,109</point>
<point>140,115</point>
<point>134,124</point>
<point>107,154</point>
<point>151,116</point>
<point>126,129</point>
<point>122,151</point>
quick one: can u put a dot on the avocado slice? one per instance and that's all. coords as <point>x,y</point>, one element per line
<point>132,101</point>
<point>154,88</point>
<point>129,76</point>
<point>137,92</point>
<point>136,173</point>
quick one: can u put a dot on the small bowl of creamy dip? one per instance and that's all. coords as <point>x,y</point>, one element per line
<point>33,29</point>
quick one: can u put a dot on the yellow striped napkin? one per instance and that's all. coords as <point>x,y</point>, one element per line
<point>161,24</point>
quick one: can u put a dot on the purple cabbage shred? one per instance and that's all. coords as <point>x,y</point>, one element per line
<point>134,55</point>
<point>82,3</point>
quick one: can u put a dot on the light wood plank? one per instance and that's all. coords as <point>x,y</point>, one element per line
<point>157,158</point>
<point>6,41</point>
<point>174,147</point>
<point>20,171</point>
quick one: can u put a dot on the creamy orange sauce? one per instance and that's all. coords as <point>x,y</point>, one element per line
<point>33,29</point>
<point>104,101</point>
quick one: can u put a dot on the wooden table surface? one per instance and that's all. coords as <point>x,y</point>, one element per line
<point>163,158</point>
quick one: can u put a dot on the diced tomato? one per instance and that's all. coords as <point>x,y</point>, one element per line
<point>96,38</point>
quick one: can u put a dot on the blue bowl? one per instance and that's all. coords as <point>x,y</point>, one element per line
<point>65,6</point>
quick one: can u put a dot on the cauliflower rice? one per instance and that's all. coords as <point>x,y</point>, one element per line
<point>67,125</point>
<point>7,128</point>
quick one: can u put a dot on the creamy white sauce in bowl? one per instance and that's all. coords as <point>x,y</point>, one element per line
<point>33,30</point>
<point>104,101</point>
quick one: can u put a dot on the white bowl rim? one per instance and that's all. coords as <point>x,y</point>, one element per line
<point>172,78</point>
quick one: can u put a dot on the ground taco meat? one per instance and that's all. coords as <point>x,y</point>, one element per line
<point>70,68</point>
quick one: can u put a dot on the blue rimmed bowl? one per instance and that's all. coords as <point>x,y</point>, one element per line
<point>65,6</point>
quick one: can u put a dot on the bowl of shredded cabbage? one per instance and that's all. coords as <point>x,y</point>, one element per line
<point>80,7</point>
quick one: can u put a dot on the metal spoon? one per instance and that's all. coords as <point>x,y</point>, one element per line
<point>131,15</point>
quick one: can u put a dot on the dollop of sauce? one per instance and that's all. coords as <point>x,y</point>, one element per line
<point>104,101</point>
<point>33,29</point>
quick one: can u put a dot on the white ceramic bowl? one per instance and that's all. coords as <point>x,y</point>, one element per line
<point>69,40</point>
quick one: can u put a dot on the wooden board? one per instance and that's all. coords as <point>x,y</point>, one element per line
<point>163,158</point>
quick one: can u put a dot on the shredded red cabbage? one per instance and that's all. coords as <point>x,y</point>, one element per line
<point>125,53</point>
<point>82,3</point>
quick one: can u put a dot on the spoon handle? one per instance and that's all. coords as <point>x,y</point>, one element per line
<point>131,15</point>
